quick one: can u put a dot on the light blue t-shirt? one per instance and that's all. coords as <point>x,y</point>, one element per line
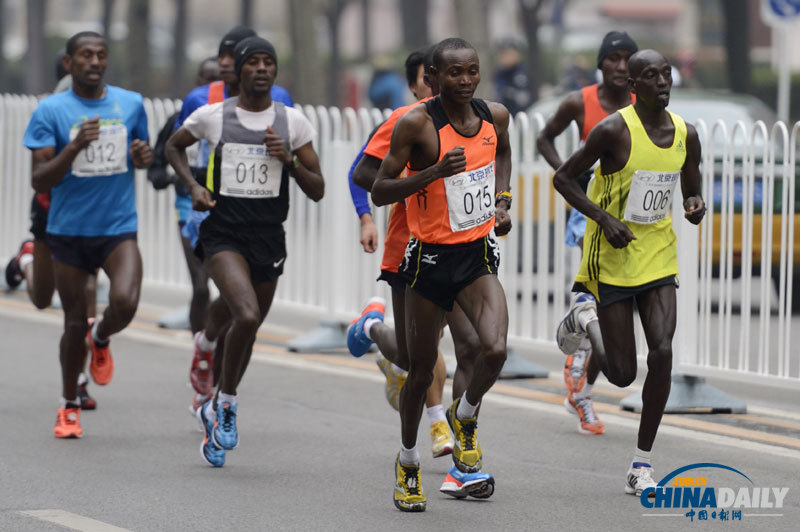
<point>101,205</point>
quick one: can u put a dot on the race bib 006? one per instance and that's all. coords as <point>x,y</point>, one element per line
<point>470,197</point>
<point>108,155</point>
<point>650,196</point>
<point>248,171</point>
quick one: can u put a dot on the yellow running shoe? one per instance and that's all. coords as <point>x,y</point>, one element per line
<point>394,381</point>
<point>467,454</point>
<point>408,494</point>
<point>441,440</point>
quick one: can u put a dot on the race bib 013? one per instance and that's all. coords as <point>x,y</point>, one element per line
<point>470,197</point>
<point>108,155</point>
<point>650,196</point>
<point>247,171</point>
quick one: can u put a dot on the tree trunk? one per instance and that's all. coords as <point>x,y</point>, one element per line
<point>138,77</point>
<point>366,49</point>
<point>530,23</point>
<point>178,74</point>
<point>415,23</point>
<point>306,87</point>
<point>334,14</point>
<point>3,79</point>
<point>737,44</point>
<point>108,11</point>
<point>35,61</point>
<point>472,21</point>
<point>246,14</point>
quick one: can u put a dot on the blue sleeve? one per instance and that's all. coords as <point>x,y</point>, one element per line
<point>41,132</point>
<point>279,94</point>
<point>359,196</point>
<point>193,101</point>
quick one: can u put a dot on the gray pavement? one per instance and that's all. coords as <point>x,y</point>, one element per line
<point>317,447</point>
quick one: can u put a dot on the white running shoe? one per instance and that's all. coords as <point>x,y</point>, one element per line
<point>570,332</point>
<point>640,477</point>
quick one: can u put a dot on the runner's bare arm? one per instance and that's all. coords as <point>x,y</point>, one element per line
<point>691,180</point>
<point>606,134</point>
<point>365,172</point>
<point>308,173</point>
<point>502,222</point>
<point>570,109</point>
<point>387,188</point>
<point>175,150</point>
<point>49,169</point>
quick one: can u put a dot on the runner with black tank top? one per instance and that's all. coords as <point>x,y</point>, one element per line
<point>458,156</point>
<point>257,145</point>
<point>587,107</point>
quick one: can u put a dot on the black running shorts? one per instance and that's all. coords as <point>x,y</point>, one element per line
<point>85,252</point>
<point>264,248</point>
<point>610,294</point>
<point>440,271</point>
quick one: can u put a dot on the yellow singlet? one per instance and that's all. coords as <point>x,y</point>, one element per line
<point>647,182</point>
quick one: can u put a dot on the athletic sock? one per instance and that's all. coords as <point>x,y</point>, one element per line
<point>69,403</point>
<point>409,456</point>
<point>436,413</point>
<point>99,342</point>
<point>24,260</point>
<point>586,317</point>
<point>82,379</point>
<point>209,411</point>
<point>368,323</point>
<point>204,343</point>
<point>643,457</point>
<point>585,392</point>
<point>466,410</point>
<point>233,400</point>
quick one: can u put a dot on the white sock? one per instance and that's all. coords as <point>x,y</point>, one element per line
<point>586,317</point>
<point>62,403</point>
<point>24,260</point>
<point>82,379</point>
<point>409,456</point>
<point>227,398</point>
<point>209,411</point>
<point>585,392</point>
<point>204,343</point>
<point>465,410</point>
<point>436,413</point>
<point>642,456</point>
<point>95,336</point>
<point>368,323</point>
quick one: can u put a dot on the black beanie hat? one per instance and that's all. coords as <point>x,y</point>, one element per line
<point>232,38</point>
<point>613,41</point>
<point>250,46</point>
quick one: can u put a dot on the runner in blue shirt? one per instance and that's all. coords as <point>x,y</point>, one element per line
<point>85,144</point>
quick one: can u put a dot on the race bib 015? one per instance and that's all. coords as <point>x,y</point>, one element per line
<point>108,155</point>
<point>650,196</point>
<point>470,197</point>
<point>248,171</point>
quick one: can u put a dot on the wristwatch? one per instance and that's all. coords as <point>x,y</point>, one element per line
<point>505,195</point>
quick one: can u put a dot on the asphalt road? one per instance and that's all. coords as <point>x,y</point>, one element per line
<point>317,448</point>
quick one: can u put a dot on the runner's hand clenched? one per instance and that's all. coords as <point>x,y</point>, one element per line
<point>88,132</point>
<point>276,147</point>
<point>452,163</point>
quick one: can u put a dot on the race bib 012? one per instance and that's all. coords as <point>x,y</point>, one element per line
<point>470,197</point>
<point>650,196</point>
<point>108,155</point>
<point>248,171</point>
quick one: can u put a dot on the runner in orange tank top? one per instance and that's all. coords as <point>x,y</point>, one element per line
<point>457,190</point>
<point>587,107</point>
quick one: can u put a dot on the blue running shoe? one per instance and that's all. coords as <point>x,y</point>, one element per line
<point>225,434</point>
<point>357,341</point>
<point>459,484</point>
<point>211,453</point>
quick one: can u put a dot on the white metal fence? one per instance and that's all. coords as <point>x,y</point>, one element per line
<point>724,326</point>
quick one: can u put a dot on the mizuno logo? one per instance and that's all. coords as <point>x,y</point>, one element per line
<point>277,264</point>
<point>487,141</point>
<point>412,483</point>
<point>429,259</point>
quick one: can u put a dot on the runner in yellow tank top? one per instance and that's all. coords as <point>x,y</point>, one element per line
<point>630,250</point>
